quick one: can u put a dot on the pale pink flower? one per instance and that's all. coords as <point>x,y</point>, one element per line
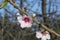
<point>43,35</point>
<point>25,21</point>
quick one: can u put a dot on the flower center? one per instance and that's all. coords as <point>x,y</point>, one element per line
<point>26,19</point>
<point>43,33</point>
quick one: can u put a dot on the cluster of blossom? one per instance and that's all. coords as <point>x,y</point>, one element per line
<point>26,22</point>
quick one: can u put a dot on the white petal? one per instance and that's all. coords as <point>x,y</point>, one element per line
<point>17,14</point>
<point>19,18</point>
<point>48,36</point>
<point>38,34</point>
<point>28,25</point>
<point>23,25</point>
<point>43,38</point>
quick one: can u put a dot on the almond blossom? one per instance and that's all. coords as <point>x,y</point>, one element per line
<point>44,35</point>
<point>25,21</point>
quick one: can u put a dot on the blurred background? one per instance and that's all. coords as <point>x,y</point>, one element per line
<point>47,12</point>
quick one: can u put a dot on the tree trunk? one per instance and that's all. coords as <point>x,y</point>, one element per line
<point>44,10</point>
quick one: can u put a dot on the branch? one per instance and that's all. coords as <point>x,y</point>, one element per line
<point>51,31</point>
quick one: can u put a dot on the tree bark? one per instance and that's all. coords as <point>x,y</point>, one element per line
<point>44,10</point>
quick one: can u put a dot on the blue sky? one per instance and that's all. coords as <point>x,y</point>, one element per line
<point>36,7</point>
